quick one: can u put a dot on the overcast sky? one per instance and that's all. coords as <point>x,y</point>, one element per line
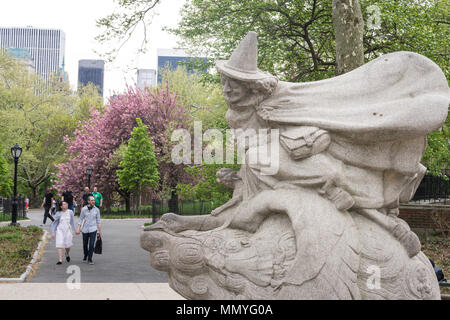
<point>77,19</point>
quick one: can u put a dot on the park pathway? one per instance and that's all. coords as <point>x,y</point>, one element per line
<point>122,260</point>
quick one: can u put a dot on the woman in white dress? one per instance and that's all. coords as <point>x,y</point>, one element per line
<point>62,227</point>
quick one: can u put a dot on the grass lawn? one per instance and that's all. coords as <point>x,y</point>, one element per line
<point>438,249</point>
<point>7,217</point>
<point>17,248</point>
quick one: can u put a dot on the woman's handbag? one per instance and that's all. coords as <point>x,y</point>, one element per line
<point>98,246</point>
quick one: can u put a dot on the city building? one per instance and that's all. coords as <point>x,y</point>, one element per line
<point>91,71</point>
<point>172,58</point>
<point>46,47</point>
<point>23,55</point>
<point>146,78</point>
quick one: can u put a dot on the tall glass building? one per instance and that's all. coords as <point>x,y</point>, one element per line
<point>146,78</point>
<point>46,46</point>
<point>172,58</point>
<point>91,71</point>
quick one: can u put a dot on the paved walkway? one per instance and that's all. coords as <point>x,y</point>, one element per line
<point>122,260</point>
<point>88,291</point>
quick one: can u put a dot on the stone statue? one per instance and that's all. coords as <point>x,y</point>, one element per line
<point>326,225</point>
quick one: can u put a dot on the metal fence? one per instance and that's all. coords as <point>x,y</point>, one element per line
<point>6,208</point>
<point>158,208</point>
<point>434,190</point>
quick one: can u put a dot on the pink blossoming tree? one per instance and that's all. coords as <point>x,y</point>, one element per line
<point>94,145</point>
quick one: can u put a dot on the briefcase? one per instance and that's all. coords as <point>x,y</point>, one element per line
<point>98,246</point>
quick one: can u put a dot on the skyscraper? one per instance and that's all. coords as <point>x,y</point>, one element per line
<point>146,78</point>
<point>172,58</point>
<point>46,46</point>
<point>23,55</point>
<point>91,71</point>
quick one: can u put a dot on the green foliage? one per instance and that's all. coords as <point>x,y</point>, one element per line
<point>13,237</point>
<point>204,100</point>
<point>138,167</point>
<point>437,155</point>
<point>206,187</point>
<point>87,98</point>
<point>5,177</point>
<point>296,38</point>
<point>207,105</point>
<point>37,117</point>
<point>420,26</point>
<point>117,156</point>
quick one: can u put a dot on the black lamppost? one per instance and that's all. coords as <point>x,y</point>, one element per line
<point>16,151</point>
<point>89,173</point>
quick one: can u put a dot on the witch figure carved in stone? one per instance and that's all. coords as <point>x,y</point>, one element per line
<point>348,153</point>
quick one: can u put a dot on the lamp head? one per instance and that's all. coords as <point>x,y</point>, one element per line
<point>16,151</point>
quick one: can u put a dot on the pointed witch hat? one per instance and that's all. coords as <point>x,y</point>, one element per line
<point>242,63</point>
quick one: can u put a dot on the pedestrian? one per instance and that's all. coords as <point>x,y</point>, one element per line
<point>89,225</point>
<point>86,194</point>
<point>98,198</point>
<point>53,207</point>
<point>62,227</point>
<point>27,203</point>
<point>47,205</point>
<point>67,196</point>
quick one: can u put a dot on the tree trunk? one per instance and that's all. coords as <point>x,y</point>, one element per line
<point>173,202</point>
<point>348,27</point>
<point>140,201</point>
<point>127,203</point>
<point>34,201</point>
<point>126,196</point>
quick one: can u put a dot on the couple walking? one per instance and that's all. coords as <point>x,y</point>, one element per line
<point>88,225</point>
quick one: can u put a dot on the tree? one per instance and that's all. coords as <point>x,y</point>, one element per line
<point>297,39</point>
<point>437,155</point>
<point>87,97</point>
<point>203,100</point>
<point>118,27</point>
<point>207,105</point>
<point>36,116</point>
<point>96,143</point>
<point>138,168</point>
<point>5,177</point>
<point>348,27</point>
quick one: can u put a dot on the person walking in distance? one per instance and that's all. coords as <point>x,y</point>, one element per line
<point>98,198</point>
<point>47,205</point>
<point>67,196</point>
<point>27,203</point>
<point>86,195</point>
<point>89,225</point>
